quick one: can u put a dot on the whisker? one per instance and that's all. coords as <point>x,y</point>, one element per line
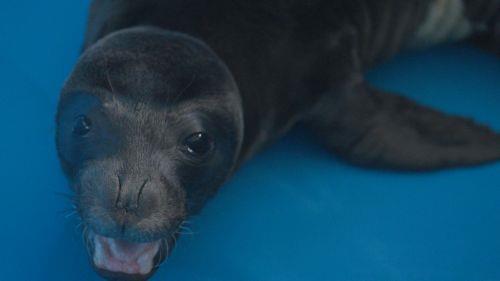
<point>184,227</point>
<point>168,250</point>
<point>70,214</point>
<point>65,211</point>
<point>186,230</point>
<point>175,239</point>
<point>186,233</point>
<point>108,79</point>
<point>85,239</point>
<point>79,224</point>
<point>158,262</point>
<point>68,196</point>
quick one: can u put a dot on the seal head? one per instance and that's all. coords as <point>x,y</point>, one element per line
<point>149,125</point>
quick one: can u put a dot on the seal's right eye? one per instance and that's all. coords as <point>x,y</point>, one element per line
<point>83,125</point>
<point>199,144</point>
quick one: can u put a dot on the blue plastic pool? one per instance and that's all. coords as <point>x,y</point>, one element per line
<point>292,213</point>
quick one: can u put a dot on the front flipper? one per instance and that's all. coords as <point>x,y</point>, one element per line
<point>378,129</point>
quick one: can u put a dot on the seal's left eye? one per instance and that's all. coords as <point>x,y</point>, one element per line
<point>83,125</point>
<point>199,144</point>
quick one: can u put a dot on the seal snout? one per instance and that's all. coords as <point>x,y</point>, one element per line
<point>130,207</point>
<point>130,221</point>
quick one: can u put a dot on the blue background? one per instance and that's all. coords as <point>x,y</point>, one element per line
<point>294,212</point>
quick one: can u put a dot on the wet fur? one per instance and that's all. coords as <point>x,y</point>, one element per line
<point>266,66</point>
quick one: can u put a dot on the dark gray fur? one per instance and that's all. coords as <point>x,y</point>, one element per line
<point>246,71</point>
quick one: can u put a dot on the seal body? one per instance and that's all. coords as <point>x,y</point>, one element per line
<point>275,49</point>
<point>170,96</point>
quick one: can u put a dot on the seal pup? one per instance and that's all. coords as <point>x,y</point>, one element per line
<point>169,97</point>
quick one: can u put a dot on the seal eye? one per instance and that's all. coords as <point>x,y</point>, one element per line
<point>198,144</point>
<point>82,125</point>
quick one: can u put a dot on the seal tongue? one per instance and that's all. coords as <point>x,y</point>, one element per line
<point>124,257</point>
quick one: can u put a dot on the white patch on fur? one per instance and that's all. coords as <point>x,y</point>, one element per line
<point>445,21</point>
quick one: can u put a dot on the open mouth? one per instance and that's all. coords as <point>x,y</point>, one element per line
<point>115,256</point>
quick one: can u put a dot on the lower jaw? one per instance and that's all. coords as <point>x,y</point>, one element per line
<point>117,259</point>
<point>166,246</point>
<point>122,276</point>
<point>164,251</point>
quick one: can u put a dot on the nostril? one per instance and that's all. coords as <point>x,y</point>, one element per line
<point>118,202</point>
<point>140,192</point>
<point>128,198</point>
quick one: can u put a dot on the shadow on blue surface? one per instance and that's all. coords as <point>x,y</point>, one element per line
<point>292,213</point>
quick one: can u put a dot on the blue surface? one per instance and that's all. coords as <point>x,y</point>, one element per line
<point>292,213</point>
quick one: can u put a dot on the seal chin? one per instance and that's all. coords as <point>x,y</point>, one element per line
<point>125,260</point>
